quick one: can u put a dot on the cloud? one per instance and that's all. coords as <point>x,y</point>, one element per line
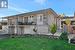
<point>1,15</point>
<point>40,1</point>
<point>20,10</point>
<point>12,10</point>
<point>69,14</point>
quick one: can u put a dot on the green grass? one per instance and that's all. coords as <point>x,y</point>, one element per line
<point>31,43</point>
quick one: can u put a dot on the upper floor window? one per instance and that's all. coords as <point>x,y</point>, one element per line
<point>31,16</point>
<point>40,17</point>
<point>30,19</point>
<point>25,19</point>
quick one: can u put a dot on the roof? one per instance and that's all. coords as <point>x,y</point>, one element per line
<point>68,17</point>
<point>34,12</point>
<point>3,21</point>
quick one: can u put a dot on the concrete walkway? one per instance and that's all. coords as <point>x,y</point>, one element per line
<point>56,34</point>
<point>3,34</point>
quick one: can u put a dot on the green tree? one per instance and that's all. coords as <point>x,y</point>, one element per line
<point>68,22</point>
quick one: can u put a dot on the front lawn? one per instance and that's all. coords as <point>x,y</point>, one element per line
<point>31,43</point>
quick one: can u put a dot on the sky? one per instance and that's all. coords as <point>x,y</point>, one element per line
<point>22,6</point>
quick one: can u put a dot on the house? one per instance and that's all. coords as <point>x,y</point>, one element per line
<point>72,20</point>
<point>71,28</point>
<point>35,22</point>
<point>3,27</point>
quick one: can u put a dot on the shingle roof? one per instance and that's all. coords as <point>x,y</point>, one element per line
<point>35,12</point>
<point>68,17</point>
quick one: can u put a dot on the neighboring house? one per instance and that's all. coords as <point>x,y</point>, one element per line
<point>71,18</point>
<point>3,27</point>
<point>71,35</point>
<point>39,20</point>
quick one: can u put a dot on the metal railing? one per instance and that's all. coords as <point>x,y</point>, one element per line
<point>26,23</point>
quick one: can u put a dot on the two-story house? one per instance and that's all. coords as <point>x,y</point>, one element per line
<point>33,22</point>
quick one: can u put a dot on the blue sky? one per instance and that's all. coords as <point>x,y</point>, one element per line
<point>21,6</point>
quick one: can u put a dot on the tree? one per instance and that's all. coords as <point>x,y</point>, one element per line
<point>67,21</point>
<point>53,29</point>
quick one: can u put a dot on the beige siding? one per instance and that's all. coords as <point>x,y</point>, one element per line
<point>59,23</point>
<point>40,19</point>
<point>42,29</point>
<point>28,30</point>
<point>51,19</point>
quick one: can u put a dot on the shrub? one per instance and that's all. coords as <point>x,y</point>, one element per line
<point>64,36</point>
<point>53,28</point>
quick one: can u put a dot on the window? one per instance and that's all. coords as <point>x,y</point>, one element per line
<point>26,19</point>
<point>4,23</point>
<point>73,23</point>
<point>31,19</point>
<point>31,16</point>
<point>44,18</point>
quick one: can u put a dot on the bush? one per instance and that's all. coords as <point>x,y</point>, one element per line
<point>64,36</point>
<point>53,28</point>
